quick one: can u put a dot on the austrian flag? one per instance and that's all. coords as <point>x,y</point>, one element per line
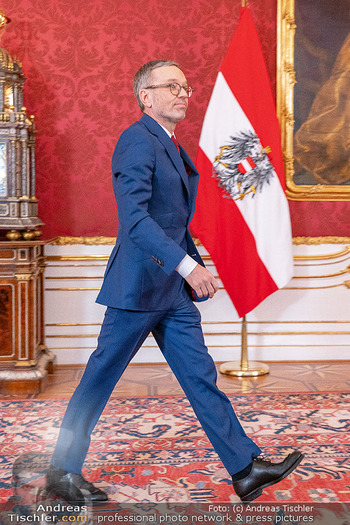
<point>242,214</point>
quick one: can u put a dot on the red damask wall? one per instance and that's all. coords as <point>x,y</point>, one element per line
<point>80,56</point>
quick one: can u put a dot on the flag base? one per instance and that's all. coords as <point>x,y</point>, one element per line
<point>252,369</point>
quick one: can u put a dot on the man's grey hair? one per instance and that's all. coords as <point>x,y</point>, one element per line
<point>142,77</point>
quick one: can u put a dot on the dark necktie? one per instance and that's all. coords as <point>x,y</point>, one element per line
<point>176,143</point>
<point>187,167</point>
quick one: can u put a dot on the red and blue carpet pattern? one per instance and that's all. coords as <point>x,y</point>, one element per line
<point>154,450</point>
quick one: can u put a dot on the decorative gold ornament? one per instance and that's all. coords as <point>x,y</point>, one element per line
<point>13,235</point>
<point>28,235</point>
<point>4,20</point>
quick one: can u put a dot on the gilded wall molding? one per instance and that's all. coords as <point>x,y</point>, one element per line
<point>221,334</point>
<point>321,240</point>
<point>101,240</point>
<point>325,257</point>
<point>98,277</point>
<point>88,241</point>
<point>218,323</point>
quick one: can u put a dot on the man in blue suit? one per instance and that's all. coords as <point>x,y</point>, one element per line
<point>152,277</point>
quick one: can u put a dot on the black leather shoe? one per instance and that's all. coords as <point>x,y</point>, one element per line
<point>263,474</point>
<point>73,488</point>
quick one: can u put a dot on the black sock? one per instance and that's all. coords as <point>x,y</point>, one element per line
<point>242,473</point>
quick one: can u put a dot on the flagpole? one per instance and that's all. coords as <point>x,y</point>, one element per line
<point>243,368</point>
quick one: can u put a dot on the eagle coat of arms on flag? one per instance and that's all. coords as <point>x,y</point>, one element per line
<point>243,166</point>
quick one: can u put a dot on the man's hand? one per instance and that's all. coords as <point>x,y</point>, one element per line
<point>202,281</point>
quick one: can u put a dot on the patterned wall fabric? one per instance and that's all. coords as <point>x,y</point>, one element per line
<point>80,57</point>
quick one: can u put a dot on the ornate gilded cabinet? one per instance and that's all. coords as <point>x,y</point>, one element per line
<point>24,359</point>
<point>18,204</point>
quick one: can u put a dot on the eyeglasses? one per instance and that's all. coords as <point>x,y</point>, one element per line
<point>175,88</point>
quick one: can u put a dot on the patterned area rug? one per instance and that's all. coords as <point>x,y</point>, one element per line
<point>154,450</point>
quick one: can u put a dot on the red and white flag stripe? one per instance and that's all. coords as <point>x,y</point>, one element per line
<point>246,165</point>
<point>249,239</point>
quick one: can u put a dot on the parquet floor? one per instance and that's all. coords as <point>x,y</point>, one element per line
<point>157,379</point>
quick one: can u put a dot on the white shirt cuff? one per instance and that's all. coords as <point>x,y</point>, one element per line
<point>186,266</point>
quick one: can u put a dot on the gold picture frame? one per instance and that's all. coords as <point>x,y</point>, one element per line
<point>286,80</point>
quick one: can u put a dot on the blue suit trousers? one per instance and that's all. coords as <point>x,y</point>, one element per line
<point>179,335</point>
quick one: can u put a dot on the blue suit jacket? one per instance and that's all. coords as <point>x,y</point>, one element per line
<point>156,202</point>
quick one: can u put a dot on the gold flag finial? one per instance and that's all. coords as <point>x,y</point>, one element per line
<point>4,20</point>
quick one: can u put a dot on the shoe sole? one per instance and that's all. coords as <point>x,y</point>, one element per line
<point>67,497</point>
<point>256,493</point>
<point>252,495</point>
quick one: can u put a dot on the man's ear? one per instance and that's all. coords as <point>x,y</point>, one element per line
<point>145,98</point>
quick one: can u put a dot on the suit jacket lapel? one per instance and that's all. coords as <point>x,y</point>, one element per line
<point>170,147</point>
<point>175,157</point>
<point>192,179</point>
